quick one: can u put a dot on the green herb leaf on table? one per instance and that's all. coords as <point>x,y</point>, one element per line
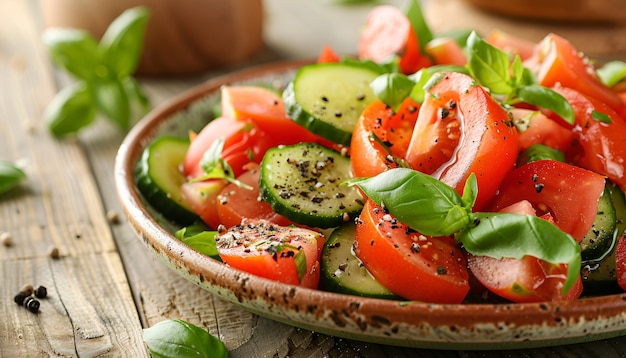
<point>103,73</point>
<point>11,175</point>
<point>433,208</point>
<point>177,338</point>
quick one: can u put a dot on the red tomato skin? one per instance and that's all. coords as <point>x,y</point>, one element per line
<point>222,127</point>
<point>511,44</point>
<point>479,137</point>
<point>523,280</point>
<point>265,109</point>
<point>600,147</point>
<point>328,55</point>
<point>556,61</point>
<point>620,261</point>
<point>542,130</point>
<point>409,264</point>
<point>369,156</point>
<point>235,203</point>
<point>446,51</point>
<point>387,33</point>
<point>202,197</point>
<point>249,256</point>
<point>569,193</point>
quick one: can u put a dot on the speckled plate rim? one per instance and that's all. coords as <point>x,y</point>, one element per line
<point>409,324</point>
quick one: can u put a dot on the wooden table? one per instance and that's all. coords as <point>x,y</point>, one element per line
<point>105,286</point>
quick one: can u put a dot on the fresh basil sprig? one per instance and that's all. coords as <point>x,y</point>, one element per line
<point>103,72</point>
<point>216,167</point>
<point>433,208</point>
<point>416,17</point>
<point>11,174</point>
<point>492,68</point>
<point>177,338</point>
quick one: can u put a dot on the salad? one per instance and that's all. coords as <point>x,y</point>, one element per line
<point>442,168</point>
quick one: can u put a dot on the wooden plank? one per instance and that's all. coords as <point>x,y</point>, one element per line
<point>89,310</point>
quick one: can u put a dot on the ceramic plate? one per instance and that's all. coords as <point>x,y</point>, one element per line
<point>464,326</point>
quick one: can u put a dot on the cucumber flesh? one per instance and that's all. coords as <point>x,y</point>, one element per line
<point>600,276</point>
<point>328,98</point>
<point>158,178</point>
<point>343,272</point>
<point>598,240</point>
<point>303,182</point>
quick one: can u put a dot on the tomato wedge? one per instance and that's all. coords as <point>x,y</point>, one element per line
<point>511,44</point>
<point>461,130</point>
<point>539,129</point>
<point>523,280</point>
<point>600,146</point>
<point>409,264</point>
<point>235,203</point>
<point>328,55</point>
<point>446,51</point>
<point>569,193</point>
<point>381,137</point>
<point>202,197</point>
<point>285,254</point>
<point>556,61</point>
<point>387,33</point>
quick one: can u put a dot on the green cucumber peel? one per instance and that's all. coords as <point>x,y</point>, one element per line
<point>433,208</point>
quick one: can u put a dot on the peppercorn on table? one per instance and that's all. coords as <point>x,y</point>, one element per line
<point>87,285</point>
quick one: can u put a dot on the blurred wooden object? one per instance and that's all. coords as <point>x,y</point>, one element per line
<point>602,41</point>
<point>183,37</point>
<point>599,12</point>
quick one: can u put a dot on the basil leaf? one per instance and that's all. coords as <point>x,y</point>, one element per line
<point>418,200</point>
<point>423,76</point>
<point>392,88</point>
<point>470,191</point>
<point>501,235</point>
<point>10,176</point>
<point>123,39</point>
<point>546,98</point>
<point>134,91</point>
<point>540,152</point>
<point>420,26</point>
<point>601,117</point>
<point>300,261</point>
<point>177,338</point>
<point>204,243</point>
<point>612,73</point>
<point>75,50</point>
<point>70,110</point>
<point>488,65</point>
<point>112,100</point>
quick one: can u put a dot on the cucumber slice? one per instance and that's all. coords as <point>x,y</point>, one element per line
<point>598,240</point>
<point>600,276</point>
<point>343,272</point>
<point>303,183</point>
<point>158,178</point>
<point>328,98</point>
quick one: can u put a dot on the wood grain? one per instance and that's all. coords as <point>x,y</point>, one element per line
<point>106,286</point>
